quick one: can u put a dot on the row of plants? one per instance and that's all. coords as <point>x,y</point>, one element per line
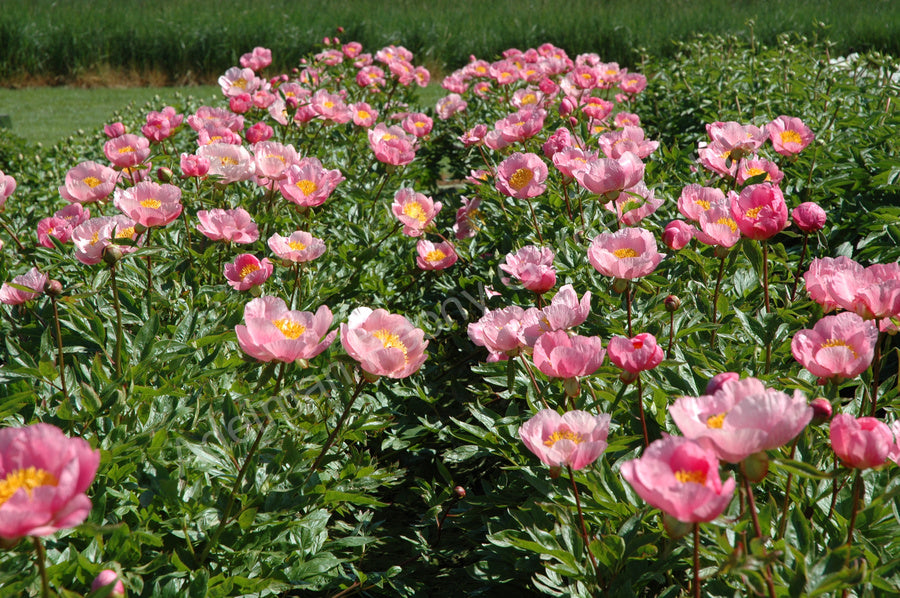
<point>576,330</point>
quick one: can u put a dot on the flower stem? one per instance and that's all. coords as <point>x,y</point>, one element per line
<point>584,533</point>
<point>765,266</point>
<point>117,354</point>
<point>715,301</point>
<point>537,227</point>
<point>696,560</point>
<point>671,335</point>
<point>751,501</point>
<point>334,432</point>
<point>42,566</point>
<point>640,402</point>
<point>537,389</point>
<point>876,370</point>
<point>857,490</point>
<point>60,361</point>
<point>799,267</point>
<point>628,294</point>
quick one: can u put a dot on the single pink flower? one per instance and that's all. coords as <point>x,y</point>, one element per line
<point>7,187</point>
<point>837,347</point>
<point>308,183</point>
<point>207,116</point>
<point>259,132</point>
<point>833,282</point>
<point>635,355</point>
<point>384,344</point>
<point>520,126</point>
<point>499,331</point>
<point>92,236</point>
<point>330,107</point>
<point>432,256</point>
<point>760,211</point>
<point>753,167</point>
<point>877,293</point>
<point>247,271</point>
<point>862,442</point>
<point>715,157</point>
<point>608,177</point>
<point>809,217</point>
<point>44,476</point>
<point>88,182</point>
<point>574,439</point>
<point>217,134</point>
<point>717,227</point>
<point>737,140</point>
<point>677,234</point>
<point>52,226</point>
<point>557,142</point>
<point>73,213</point>
<point>228,163</point>
<point>228,225</point>
<point>34,280</point>
<point>392,145</point>
<point>681,478</point>
<point>452,104</point>
<point>533,267</point>
<point>564,312</point>
<point>272,332</point>
<point>741,418</point>
<point>522,176</point>
<point>113,130</point>
<point>237,80</point>
<point>127,150</point>
<point>894,454</point>
<point>414,210</point>
<point>363,114</point>
<point>633,83</point>
<point>194,166</point>
<point>150,204</point>
<point>258,59</point>
<point>161,125</point>
<point>107,578</point>
<point>695,199</point>
<point>789,135</point>
<point>466,225</point>
<point>273,159</point>
<point>634,204</point>
<point>627,253</point>
<point>571,161</point>
<point>299,247</point>
<point>630,139</point>
<point>417,124</point>
<point>560,355</point>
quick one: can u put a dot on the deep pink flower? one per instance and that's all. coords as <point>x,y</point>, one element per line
<point>533,267</point>
<point>161,125</point>
<point>308,183</point>
<point>499,332</point>
<point>681,478</point>
<point>272,332</point>
<point>392,145</point>
<point>574,439</point>
<point>837,347</point>
<point>258,59</point>
<point>635,355</point>
<point>247,271</point>
<point>789,135</point>
<point>435,257</point>
<point>106,578</point>
<point>194,166</point>
<point>560,355</point>
<point>760,211</point>
<point>608,177</point>
<point>299,247</point>
<point>127,150</point>
<point>862,442</point>
<point>752,167</point>
<point>259,132</point>
<point>677,234</point>
<point>228,225</point>
<point>384,344</point>
<point>88,182</point>
<point>741,418</point>
<point>522,176</point>
<point>52,226</point>
<point>809,217</point>
<point>34,280</point>
<point>150,204</point>
<point>695,199</point>
<point>43,476</point>
<point>627,253</point>
<point>414,210</point>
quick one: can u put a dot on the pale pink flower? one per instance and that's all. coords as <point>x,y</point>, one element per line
<point>466,218</point>
<point>228,163</point>
<point>681,478</point>
<point>88,182</point>
<point>837,347</point>
<point>737,140</point>
<point>448,106</point>
<point>741,418</point>
<point>630,139</point>
<point>238,80</point>
<point>718,381</point>
<point>789,135</point>
<point>564,312</point>
<point>92,236</point>
<point>384,344</point>
<point>677,234</point>
<point>560,355</point>
<point>752,167</point>
<point>715,157</point>
<point>52,226</point>
<point>633,83</point>
<point>522,176</point>
<point>760,211</point>
<point>257,60</point>
<point>272,159</point>
<point>363,114</point>
<point>860,443</point>
<point>414,210</point>
<point>45,476</point>
<point>474,136</point>
<point>627,253</point>
<point>107,578</point>
<point>330,107</point>
<point>608,177</point>
<point>432,256</point>
<point>272,332</point>
<point>634,204</point>
<point>247,271</point>
<point>308,183</point>
<point>299,247</point>
<point>809,217</point>
<point>115,129</point>
<point>695,199</point>
<point>571,161</point>
<point>127,150</point>
<point>73,213</point>
<point>533,267</point>
<point>520,126</point>
<point>574,439</point>
<point>217,134</point>
<point>627,119</point>
<point>499,332</point>
<point>417,124</point>
<point>635,355</point>
<point>717,227</point>
<point>392,145</point>
<point>7,187</point>
<point>228,225</point>
<point>528,97</point>
<point>150,204</point>
<point>207,116</point>
<point>877,295</point>
<point>833,282</point>
<point>34,279</point>
<point>370,76</point>
<point>895,448</point>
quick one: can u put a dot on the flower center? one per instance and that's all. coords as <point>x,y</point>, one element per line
<point>151,203</point>
<point>388,137</point>
<point>307,187</point>
<point>248,269</point>
<point>290,329</point>
<point>29,479</point>
<point>125,233</point>
<point>529,99</point>
<point>752,172</point>
<point>277,157</point>
<point>91,181</point>
<point>390,340</point>
<point>790,137</point>
<point>414,210</point>
<point>729,223</point>
<point>837,342</point>
<point>435,255</point>
<point>296,245</point>
<point>95,237</point>
<point>362,114</point>
<point>520,178</point>
<point>228,160</point>
<point>126,150</point>
<point>625,252</point>
<point>702,203</point>
<point>753,212</point>
<point>328,104</point>
<point>564,434</point>
<point>715,421</point>
<point>696,476</point>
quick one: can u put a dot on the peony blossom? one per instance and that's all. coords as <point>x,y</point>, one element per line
<point>833,282</point>
<point>608,177</point>
<point>194,166</point>
<point>574,439</point>
<point>467,217</point>
<point>809,217</point>
<point>384,344</point>
<point>717,227</point>
<point>560,355</point>
<point>58,228</point>
<point>522,176</point>
<point>499,331</point>
<point>760,211</point>
<point>430,256</point>
<point>789,135</point>
<point>861,442</point>
<point>392,145</point>
<point>228,163</point>
<point>257,60</point>
<point>681,478</point>
<point>299,247</point>
<point>43,479</point>
<point>564,312</point>
<point>837,347</point>
<point>272,332</point>
<point>247,271</point>
<point>533,267</point>
<point>88,182</point>
<point>107,578</point>
<point>127,151</point>
<point>737,140</point>
<point>677,234</point>
<point>150,204</point>
<point>93,236</point>
<point>161,125</point>
<point>414,210</point>
<point>235,225</point>
<point>33,279</point>
<point>694,200</point>
<point>308,183</point>
<point>627,253</point>
<point>636,354</point>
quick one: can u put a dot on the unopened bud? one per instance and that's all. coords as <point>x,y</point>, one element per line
<point>675,527</point>
<point>620,285</point>
<point>111,254</point>
<point>164,174</point>
<point>460,492</point>
<point>721,252</point>
<point>756,466</point>
<point>672,303</point>
<point>572,386</point>
<point>53,288</point>
<point>555,472</point>
<point>822,410</point>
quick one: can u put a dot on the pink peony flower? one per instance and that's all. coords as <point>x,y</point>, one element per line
<point>630,139</point>
<point>392,145</point>
<point>238,80</point>
<point>92,236</point>
<point>417,124</point>
<point>435,257</point>
<point>161,125</point>
<point>258,59</point>
<point>466,225</point>
<point>228,225</point>
<point>448,106</point>
<point>752,167</point>
<point>627,253</point>
<point>522,176</point>
<point>833,282</point>
<point>533,267</point>
<point>113,130</point>
<point>695,200</point>
<point>720,380</point>
<point>677,234</point>
<point>44,478</point>
<point>681,478</point>
<point>564,312</point>
<point>608,177</point>
<point>837,347</point>
<point>635,355</point>
<point>247,271</point>
<point>300,247</point>
<point>574,439</point>
<point>862,442</point>
<point>635,204</point>
<point>194,166</point>
<point>127,150</point>
<point>717,227</point>
<point>741,418</point>
<point>895,448</point>
<point>58,228</point>
<point>499,332</point>
<point>88,182</point>
<point>559,355</point>
<point>273,159</point>
<point>571,161</point>
<point>737,140</point>
<point>363,114</point>
<point>414,210</point>
<point>228,163</point>
<point>107,578</point>
<point>384,344</point>
<point>272,332</point>
<point>789,135</point>
<point>33,279</point>
<point>760,211</point>
<point>73,213</point>
<point>150,204</point>
<point>308,183</point>
<point>809,217</point>
<point>259,132</point>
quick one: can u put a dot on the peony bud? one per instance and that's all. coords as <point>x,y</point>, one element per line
<point>111,254</point>
<point>822,410</point>
<point>755,467</point>
<point>460,492</point>
<point>53,288</point>
<point>672,303</point>
<point>164,174</point>
<point>106,578</point>
<point>809,217</point>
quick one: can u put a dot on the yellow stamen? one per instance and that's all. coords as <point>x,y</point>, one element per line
<point>529,99</point>
<point>729,223</point>
<point>697,476</point>
<point>296,245</point>
<point>362,114</point>
<point>752,172</point>
<point>125,232</point>
<point>95,237</point>
<point>520,178</point>
<point>29,479</point>
<point>241,83</point>
<point>753,212</point>
<point>307,187</point>
<point>625,252</point>
<point>435,255</point>
<point>126,150</point>
<point>151,203</point>
<point>290,329</point>
<point>388,137</point>
<point>563,434</point>
<point>702,203</point>
<point>415,210</point>
<point>836,342</point>
<point>328,104</point>
<point>228,160</point>
<point>91,181</point>
<point>278,156</point>
<point>790,137</point>
<point>246,270</point>
<point>715,421</point>
<point>390,341</point>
